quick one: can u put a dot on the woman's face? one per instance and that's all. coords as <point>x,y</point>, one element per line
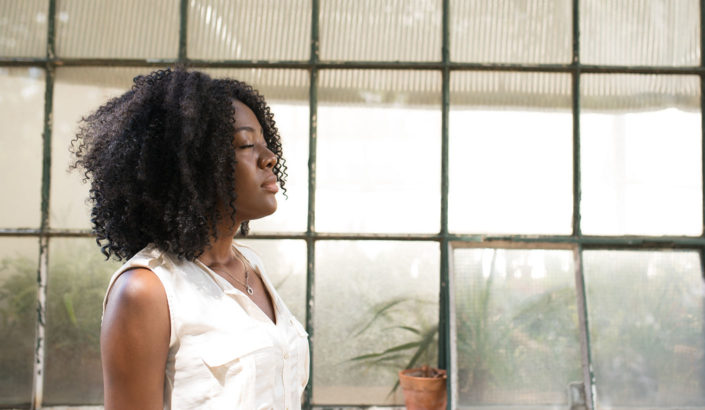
<point>255,183</point>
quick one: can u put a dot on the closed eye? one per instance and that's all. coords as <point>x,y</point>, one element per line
<point>246,146</point>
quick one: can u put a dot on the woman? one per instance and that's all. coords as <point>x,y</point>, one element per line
<point>177,165</point>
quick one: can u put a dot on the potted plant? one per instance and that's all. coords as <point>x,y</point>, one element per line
<point>424,388</point>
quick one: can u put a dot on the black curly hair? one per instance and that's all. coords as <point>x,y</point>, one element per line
<point>161,164</point>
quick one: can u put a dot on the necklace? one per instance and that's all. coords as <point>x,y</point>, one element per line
<point>246,284</point>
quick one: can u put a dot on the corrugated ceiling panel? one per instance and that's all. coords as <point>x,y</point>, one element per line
<point>640,32</point>
<point>511,89</point>
<point>117,29</point>
<point>244,29</point>
<point>533,31</point>
<point>274,84</point>
<point>107,77</point>
<point>510,31</point>
<point>380,87</point>
<point>23,28</point>
<point>374,30</point>
<point>629,32</point>
<point>477,89</point>
<point>639,92</point>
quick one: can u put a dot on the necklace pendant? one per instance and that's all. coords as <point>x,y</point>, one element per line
<point>249,290</point>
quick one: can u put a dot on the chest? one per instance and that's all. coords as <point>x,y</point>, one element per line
<point>227,349</point>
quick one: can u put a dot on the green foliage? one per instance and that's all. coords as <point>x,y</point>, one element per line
<point>18,313</point>
<point>646,317</point>
<point>516,334</point>
<point>505,340</point>
<point>421,346</point>
<point>77,279</point>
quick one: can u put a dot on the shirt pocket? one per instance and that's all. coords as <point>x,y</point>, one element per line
<point>231,361</point>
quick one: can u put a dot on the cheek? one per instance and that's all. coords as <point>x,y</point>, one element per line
<point>245,181</point>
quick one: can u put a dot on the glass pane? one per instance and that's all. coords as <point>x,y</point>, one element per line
<point>517,327</point>
<point>18,318</point>
<point>23,28</point>
<point>285,263</point>
<point>22,118</point>
<point>640,32</point>
<point>117,29</point>
<point>510,153</point>
<point>286,92</point>
<point>370,297</point>
<point>379,151</point>
<point>242,29</point>
<point>646,328</point>
<point>508,31</point>
<point>641,161</point>
<point>390,30</point>
<point>78,277</point>
<point>78,92</point>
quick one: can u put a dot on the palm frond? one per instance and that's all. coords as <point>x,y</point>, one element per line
<point>380,311</point>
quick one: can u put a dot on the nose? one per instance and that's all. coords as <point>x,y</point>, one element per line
<point>268,159</point>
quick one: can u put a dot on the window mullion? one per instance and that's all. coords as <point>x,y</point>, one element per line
<point>311,219</point>
<point>183,31</point>
<point>702,107</point>
<point>444,329</point>
<point>583,325</point>
<point>586,359</point>
<point>40,340</point>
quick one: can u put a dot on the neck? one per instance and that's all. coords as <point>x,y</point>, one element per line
<point>219,251</point>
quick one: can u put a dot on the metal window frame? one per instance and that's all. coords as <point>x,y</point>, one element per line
<point>446,240</point>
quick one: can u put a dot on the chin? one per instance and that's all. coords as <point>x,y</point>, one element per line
<point>269,210</point>
<point>258,211</point>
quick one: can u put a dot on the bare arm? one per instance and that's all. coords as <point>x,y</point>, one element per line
<point>134,342</point>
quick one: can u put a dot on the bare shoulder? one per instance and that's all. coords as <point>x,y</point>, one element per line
<point>135,341</point>
<point>136,288</point>
<point>137,301</point>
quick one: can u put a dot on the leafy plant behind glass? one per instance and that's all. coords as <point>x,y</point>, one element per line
<point>517,335</point>
<point>78,277</point>
<point>421,346</point>
<point>476,343</point>
<point>18,314</point>
<point>491,342</point>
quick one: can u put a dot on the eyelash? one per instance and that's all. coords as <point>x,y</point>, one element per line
<point>246,146</point>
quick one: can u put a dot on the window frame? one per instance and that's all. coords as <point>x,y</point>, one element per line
<point>446,240</point>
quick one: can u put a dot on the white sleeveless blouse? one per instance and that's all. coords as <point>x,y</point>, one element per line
<point>224,352</point>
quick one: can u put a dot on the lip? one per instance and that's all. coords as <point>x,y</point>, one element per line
<point>270,184</point>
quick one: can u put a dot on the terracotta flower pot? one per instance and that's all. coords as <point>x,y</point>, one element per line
<point>424,388</point>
